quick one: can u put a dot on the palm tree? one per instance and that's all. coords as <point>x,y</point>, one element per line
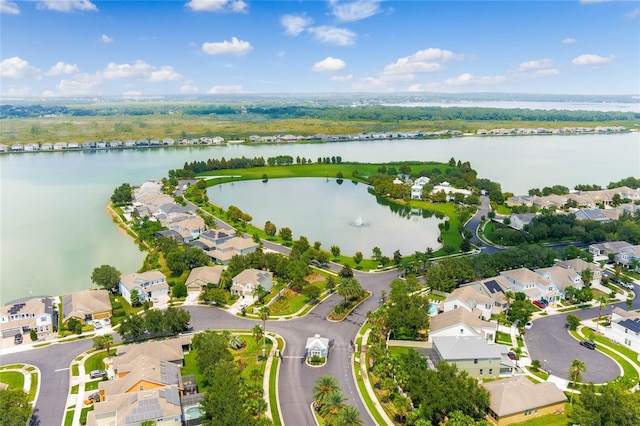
<point>235,342</point>
<point>258,332</point>
<point>332,406</point>
<point>509,296</point>
<point>586,276</point>
<point>264,316</point>
<point>577,367</point>
<point>349,416</point>
<point>602,302</point>
<point>349,287</point>
<point>324,386</point>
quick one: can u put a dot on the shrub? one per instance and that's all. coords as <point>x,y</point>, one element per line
<point>118,313</point>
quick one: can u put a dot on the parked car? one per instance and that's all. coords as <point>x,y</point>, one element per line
<point>528,325</point>
<point>538,304</point>
<point>94,397</point>
<point>95,374</point>
<point>545,302</point>
<point>97,324</point>
<point>630,286</point>
<point>588,344</point>
<point>106,321</point>
<point>17,339</point>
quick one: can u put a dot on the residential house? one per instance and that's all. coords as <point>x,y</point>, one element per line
<point>519,220</point>
<point>169,233</point>
<point>449,190</point>
<point>144,372</point>
<point>418,186</point>
<point>218,236</point>
<point>474,355</point>
<point>33,314</point>
<point>31,147</point>
<point>58,146</point>
<point>562,278</point>
<point>200,277</point>
<point>232,247</point>
<point>625,328</point>
<point>190,228</point>
<point>599,215</point>
<point>494,287</point>
<point>101,144</point>
<point>606,248</point>
<point>150,187</point>
<point>469,298</point>
<point>149,284</point>
<point>129,143</point>
<point>47,146</point>
<point>73,145</point>
<point>317,346</point>
<point>169,350</point>
<point>535,286</point>
<point>519,200</point>
<point>517,399</point>
<point>247,281</point>
<point>160,406</point>
<point>461,322</point>
<point>17,147</point>
<point>86,306</point>
<point>580,265</point>
<point>115,144</point>
<point>629,257</point>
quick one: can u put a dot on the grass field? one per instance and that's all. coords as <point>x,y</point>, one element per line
<point>14,379</point>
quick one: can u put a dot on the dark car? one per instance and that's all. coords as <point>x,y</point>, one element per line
<point>588,344</point>
<point>17,339</point>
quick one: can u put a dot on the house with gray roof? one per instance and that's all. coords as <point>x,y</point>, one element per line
<point>234,246</point>
<point>317,346</point>
<point>520,220</point>
<point>86,306</point>
<point>474,355</point>
<point>629,257</point>
<point>247,281</point>
<point>580,265</point>
<point>517,399</point>
<point>149,284</point>
<point>461,322</point>
<point>625,328</point>
<point>608,247</point>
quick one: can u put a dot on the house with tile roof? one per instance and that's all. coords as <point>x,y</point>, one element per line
<point>469,298</point>
<point>563,278</point>
<point>517,399</point>
<point>202,276</point>
<point>86,306</point>
<point>534,286</point>
<point>149,284</point>
<point>247,281</point>
<point>474,355</point>
<point>629,257</point>
<point>461,322</point>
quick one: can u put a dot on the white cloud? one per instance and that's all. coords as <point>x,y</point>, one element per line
<point>354,10</point>
<point>225,89</point>
<point>233,47</point>
<point>140,70</point>
<point>237,6</point>
<point>342,78</point>
<point>80,84</point>
<point>132,94</point>
<point>633,14</point>
<point>67,5</point>
<point>592,60</point>
<point>537,68</point>
<point>427,60</point>
<point>568,41</point>
<point>188,87</point>
<point>9,7</point>
<point>329,65</point>
<point>166,73</point>
<point>295,24</point>
<point>468,79</point>
<point>333,35</point>
<point>63,68</point>
<point>17,67</point>
<point>106,39</point>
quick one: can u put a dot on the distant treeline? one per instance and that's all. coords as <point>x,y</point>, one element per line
<point>338,113</point>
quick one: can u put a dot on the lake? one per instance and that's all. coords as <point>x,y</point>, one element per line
<point>54,229</point>
<point>323,210</point>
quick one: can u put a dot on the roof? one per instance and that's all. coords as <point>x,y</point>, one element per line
<point>237,243</point>
<point>194,223</point>
<point>164,350</point>
<point>579,265</point>
<point>610,246</point>
<point>252,276</point>
<point>216,234</point>
<point>82,303</point>
<point>136,407</point>
<point>142,368</point>
<point>205,274</point>
<point>36,305</point>
<point>131,281</point>
<point>517,394</point>
<point>451,348</point>
<point>457,316</point>
<point>562,277</point>
<point>525,276</point>
<point>317,342</point>
<point>632,324</point>
<point>470,296</point>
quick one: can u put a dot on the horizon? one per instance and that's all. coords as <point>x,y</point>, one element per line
<point>70,49</point>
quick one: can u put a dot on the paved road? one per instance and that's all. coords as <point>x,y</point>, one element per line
<point>53,362</point>
<point>550,340</point>
<point>474,222</point>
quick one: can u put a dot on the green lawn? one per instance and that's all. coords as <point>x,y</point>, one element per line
<point>84,413</point>
<point>92,385</point>
<point>548,420</point>
<point>14,379</point>
<point>75,389</point>
<point>68,418</point>
<point>504,338</point>
<point>96,361</point>
<point>34,386</point>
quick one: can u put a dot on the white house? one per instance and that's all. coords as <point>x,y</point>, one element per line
<point>449,190</point>
<point>625,328</point>
<point>629,257</point>
<point>461,322</point>
<point>317,346</point>
<point>580,265</point>
<point>534,285</point>
<point>247,281</point>
<point>189,229</point>
<point>149,284</point>
<point>518,221</point>
<point>562,277</point>
<point>21,317</point>
<point>471,299</point>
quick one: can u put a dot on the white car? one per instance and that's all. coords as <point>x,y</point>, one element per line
<point>97,324</point>
<point>528,325</point>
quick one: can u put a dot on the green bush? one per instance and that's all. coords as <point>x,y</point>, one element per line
<point>116,305</point>
<point>118,313</point>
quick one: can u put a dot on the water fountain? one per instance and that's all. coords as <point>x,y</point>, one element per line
<point>359,222</point>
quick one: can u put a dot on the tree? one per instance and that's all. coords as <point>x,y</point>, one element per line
<point>258,332</point>
<point>377,254</point>
<point>357,257</point>
<point>107,277</point>
<point>349,416</point>
<point>16,409</point>
<point>122,195</point>
<point>535,365</point>
<point>397,257</point>
<point>132,327</point>
<point>264,313</point>
<point>176,320</point>
<point>103,342</point>
<point>135,297</point>
<point>577,367</point>
<point>346,272</point>
<point>606,405</point>
<point>602,302</point>
<point>349,288</point>
<point>335,251</point>
<point>179,290</point>
<point>286,234</point>
<point>323,387</point>
<point>332,405</point>
<point>236,342</point>
<point>33,335</point>
<point>154,321</point>
<point>222,404</point>
<point>573,321</point>
<point>217,296</point>
<point>312,292</point>
<point>586,276</point>
<point>270,229</point>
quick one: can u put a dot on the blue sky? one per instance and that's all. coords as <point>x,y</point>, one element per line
<point>54,48</point>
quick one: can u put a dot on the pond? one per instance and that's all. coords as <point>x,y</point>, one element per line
<point>343,214</point>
